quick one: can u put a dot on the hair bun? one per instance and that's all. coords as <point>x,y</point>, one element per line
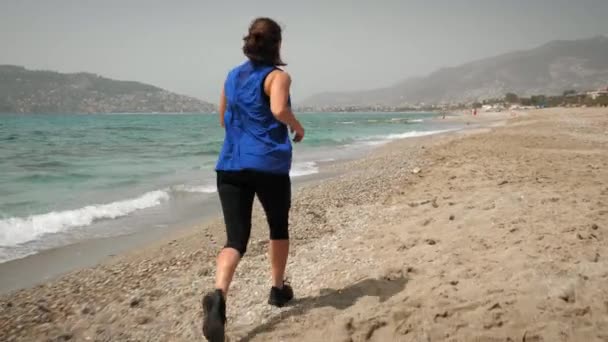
<point>263,42</point>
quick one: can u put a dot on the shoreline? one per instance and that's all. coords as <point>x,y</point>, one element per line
<point>167,201</point>
<point>49,264</point>
<point>492,232</point>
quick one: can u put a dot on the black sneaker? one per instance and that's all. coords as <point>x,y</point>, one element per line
<point>214,316</point>
<point>280,296</point>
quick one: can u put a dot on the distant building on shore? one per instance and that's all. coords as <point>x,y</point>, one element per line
<point>594,95</point>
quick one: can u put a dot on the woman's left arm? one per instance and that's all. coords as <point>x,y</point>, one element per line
<point>222,108</point>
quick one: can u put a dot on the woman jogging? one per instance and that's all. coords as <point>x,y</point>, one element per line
<point>255,109</point>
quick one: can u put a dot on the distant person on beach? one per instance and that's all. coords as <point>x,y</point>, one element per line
<point>255,109</point>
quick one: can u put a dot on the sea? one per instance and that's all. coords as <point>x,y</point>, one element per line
<point>67,178</point>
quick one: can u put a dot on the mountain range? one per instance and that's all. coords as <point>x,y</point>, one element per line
<point>548,69</point>
<point>34,91</point>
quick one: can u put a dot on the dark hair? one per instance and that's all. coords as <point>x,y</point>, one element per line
<point>263,42</point>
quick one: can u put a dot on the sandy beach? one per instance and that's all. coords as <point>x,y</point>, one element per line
<point>498,233</point>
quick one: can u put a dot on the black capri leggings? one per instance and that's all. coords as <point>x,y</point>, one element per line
<point>237,190</point>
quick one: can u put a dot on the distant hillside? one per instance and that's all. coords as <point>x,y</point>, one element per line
<point>548,69</point>
<point>27,91</point>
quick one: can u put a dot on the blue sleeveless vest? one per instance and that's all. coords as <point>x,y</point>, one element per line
<point>254,139</point>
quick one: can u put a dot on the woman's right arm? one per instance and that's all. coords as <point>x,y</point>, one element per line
<point>222,107</point>
<point>279,103</point>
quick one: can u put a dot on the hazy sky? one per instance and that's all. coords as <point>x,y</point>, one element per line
<point>187,46</point>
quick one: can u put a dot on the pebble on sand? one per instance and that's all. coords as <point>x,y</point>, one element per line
<point>87,310</point>
<point>134,302</point>
<point>567,293</point>
<point>141,320</point>
<point>64,337</point>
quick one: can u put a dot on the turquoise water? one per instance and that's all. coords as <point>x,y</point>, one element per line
<point>61,172</point>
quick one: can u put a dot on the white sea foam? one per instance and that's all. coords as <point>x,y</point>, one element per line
<point>303,169</point>
<point>17,230</point>
<point>196,189</point>
<point>413,134</point>
<point>380,140</point>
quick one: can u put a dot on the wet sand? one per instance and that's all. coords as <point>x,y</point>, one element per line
<point>492,234</point>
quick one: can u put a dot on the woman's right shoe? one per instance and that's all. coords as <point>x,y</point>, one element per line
<point>280,296</point>
<point>214,316</point>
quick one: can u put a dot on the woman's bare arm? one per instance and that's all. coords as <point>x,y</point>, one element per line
<point>222,108</point>
<point>278,91</point>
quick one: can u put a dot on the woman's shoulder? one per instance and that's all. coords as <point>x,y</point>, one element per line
<point>279,75</point>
